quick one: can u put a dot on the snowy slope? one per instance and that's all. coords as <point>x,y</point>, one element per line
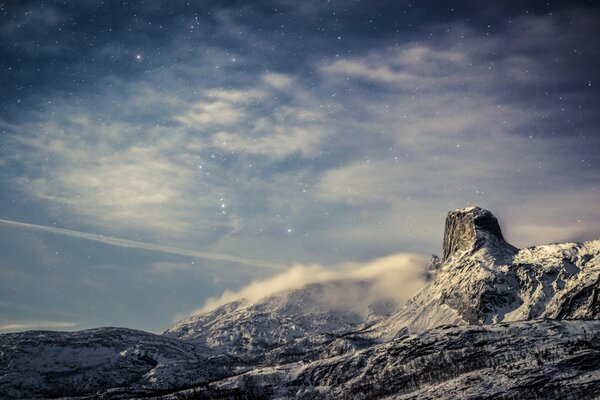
<point>41,364</point>
<point>559,281</point>
<point>484,280</point>
<point>549,359</point>
<point>311,315</point>
<point>527,360</point>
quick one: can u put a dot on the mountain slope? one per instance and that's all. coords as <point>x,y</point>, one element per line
<point>42,364</point>
<point>483,279</point>
<point>529,360</point>
<point>308,316</point>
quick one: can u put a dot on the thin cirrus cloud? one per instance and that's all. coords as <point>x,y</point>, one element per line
<point>458,136</point>
<point>159,177</point>
<point>222,108</point>
<point>31,26</point>
<point>442,110</point>
<point>87,168</point>
<point>31,325</point>
<point>243,127</point>
<point>442,116</point>
<point>132,244</point>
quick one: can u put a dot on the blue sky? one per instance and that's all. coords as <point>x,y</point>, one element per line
<point>161,153</point>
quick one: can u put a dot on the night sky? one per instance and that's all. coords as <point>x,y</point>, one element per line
<point>158,153</point>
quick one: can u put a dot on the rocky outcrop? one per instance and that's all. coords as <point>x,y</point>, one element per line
<point>468,229</point>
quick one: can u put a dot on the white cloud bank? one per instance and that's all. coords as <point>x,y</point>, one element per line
<point>393,278</point>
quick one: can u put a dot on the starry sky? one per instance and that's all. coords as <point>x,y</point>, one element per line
<point>154,154</point>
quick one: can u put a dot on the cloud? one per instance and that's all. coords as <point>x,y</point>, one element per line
<point>453,123</point>
<point>281,141</point>
<point>411,67</point>
<point>255,122</point>
<point>30,27</point>
<point>224,107</point>
<point>560,217</point>
<point>170,266</point>
<point>278,80</point>
<point>96,170</point>
<point>132,244</point>
<point>394,278</point>
<point>365,149</point>
<point>354,68</point>
<point>162,165</point>
<point>248,131</point>
<point>35,325</point>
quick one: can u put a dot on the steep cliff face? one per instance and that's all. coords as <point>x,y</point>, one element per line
<point>468,229</point>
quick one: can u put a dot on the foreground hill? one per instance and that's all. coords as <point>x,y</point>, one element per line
<point>492,322</point>
<point>520,360</point>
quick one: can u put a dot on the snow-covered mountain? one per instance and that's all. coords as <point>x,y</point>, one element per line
<point>38,364</point>
<point>482,279</point>
<point>546,359</point>
<point>311,315</point>
<point>493,321</point>
<point>329,305</point>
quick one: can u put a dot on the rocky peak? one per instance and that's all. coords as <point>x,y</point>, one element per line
<point>471,228</point>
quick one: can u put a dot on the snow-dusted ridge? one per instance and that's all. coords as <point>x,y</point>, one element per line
<point>485,280</point>
<point>493,321</point>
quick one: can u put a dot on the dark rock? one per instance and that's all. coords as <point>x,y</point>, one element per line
<point>468,229</point>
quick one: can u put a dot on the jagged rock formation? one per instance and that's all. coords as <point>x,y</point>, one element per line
<point>493,321</point>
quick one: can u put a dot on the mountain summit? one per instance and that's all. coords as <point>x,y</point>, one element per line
<point>468,229</point>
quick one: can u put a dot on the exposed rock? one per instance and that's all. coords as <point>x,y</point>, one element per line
<point>468,229</point>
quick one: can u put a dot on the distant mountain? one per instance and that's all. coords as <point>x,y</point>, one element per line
<point>493,322</point>
<point>308,316</point>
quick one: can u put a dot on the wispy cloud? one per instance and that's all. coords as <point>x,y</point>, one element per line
<point>383,137</point>
<point>143,246</point>
<point>221,108</point>
<point>35,325</point>
<point>30,28</point>
<point>256,122</point>
<point>167,174</point>
<point>449,128</point>
<point>394,278</point>
<point>171,267</point>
